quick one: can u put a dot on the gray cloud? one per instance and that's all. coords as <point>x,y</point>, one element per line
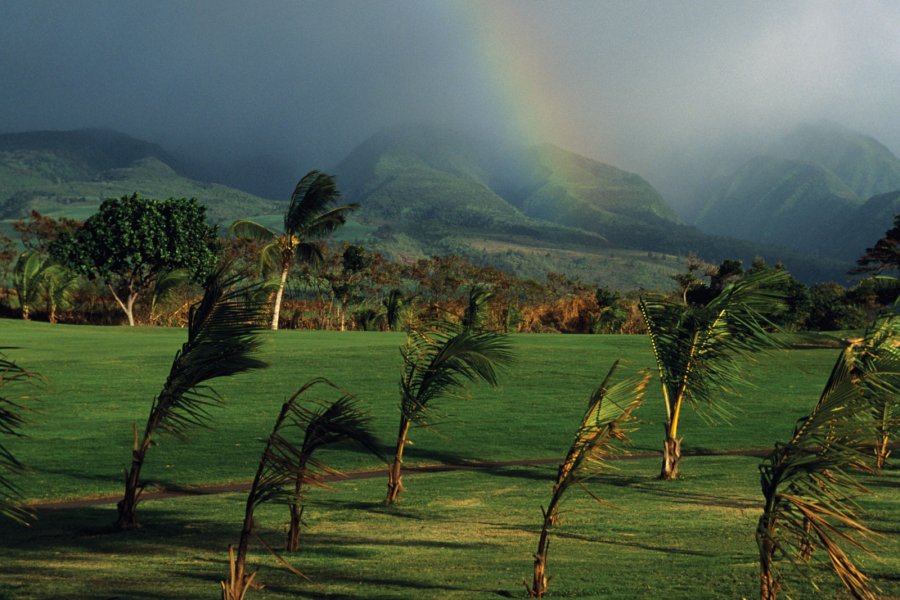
<point>297,83</point>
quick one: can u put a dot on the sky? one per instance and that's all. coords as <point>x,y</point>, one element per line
<point>264,91</point>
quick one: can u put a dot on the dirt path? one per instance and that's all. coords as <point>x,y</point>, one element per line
<point>242,486</point>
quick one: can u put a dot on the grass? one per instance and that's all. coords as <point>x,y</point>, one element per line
<point>466,534</point>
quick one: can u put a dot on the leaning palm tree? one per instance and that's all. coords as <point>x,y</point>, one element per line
<point>310,216</point>
<point>11,421</point>
<point>609,408</point>
<point>285,466</point>
<point>808,483</point>
<point>438,362</point>
<point>222,336</point>
<point>699,347</point>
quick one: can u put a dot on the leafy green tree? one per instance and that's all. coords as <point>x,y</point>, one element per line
<point>884,256</point>
<point>609,408</point>
<point>131,240</point>
<point>698,347</point>
<point>222,336</point>
<point>11,421</point>
<point>809,485</point>
<point>438,362</point>
<point>311,215</point>
<point>286,465</point>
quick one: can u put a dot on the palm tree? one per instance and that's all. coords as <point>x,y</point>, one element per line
<point>222,336</point>
<point>474,315</point>
<point>392,304</point>
<point>286,466</point>
<point>698,347</point>
<point>310,216</point>
<point>11,421</point>
<point>609,408</point>
<point>882,351</point>
<point>808,483</point>
<point>27,276</point>
<point>57,285</point>
<point>438,362</point>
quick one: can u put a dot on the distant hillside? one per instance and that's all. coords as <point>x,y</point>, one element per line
<point>809,194</point>
<point>865,165</point>
<point>71,172</point>
<point>532,210</point>
<point>783,202</point>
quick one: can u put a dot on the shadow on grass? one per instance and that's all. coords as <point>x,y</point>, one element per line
<point>677,494</point>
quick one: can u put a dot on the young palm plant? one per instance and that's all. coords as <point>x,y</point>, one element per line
<point>475,314</point>
<point>286,466</point>
<point>11,421</point>
<point>882,351</point>
<point>438,362</point>
<point>699,347</point>
<point>808,483</point>
<point>222,336</point>
<point>309,217</point>
<point>28,274</point>
<point>610,407</point>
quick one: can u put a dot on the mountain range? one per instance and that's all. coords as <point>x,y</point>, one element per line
<point>814,200</point>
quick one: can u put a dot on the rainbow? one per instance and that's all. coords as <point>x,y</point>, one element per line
<point>515,59</point>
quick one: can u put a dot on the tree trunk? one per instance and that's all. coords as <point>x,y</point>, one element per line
<point>128,306</point>
<point>26,312</point>
<point>671,457</point>
<point>540,579</point>
<point>394,483</point>
<point>296,509</point>
<point>768,582</point>
<point>127,506</point>
<point>276,314</point>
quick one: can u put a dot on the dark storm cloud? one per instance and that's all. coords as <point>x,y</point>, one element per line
<point>297,84</point>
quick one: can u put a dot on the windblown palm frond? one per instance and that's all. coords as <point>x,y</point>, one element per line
<point>251,230</point>
<point>474,315</point>
<point>222,336</point>
<point>698,348</point>
<point>809,483</point>
<point>287,461</point>
<point>310,213</point>
<point>880,352</point>
<point>610,407</point>
<point>440,361</point>
<point>11,421</point>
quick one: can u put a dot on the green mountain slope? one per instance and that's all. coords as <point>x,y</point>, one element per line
<point>865,165</point>
<point>426,191</point>
<point>71,172</point>
<point>580,192</point>
<point>784,202</point>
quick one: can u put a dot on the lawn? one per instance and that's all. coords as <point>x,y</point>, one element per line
<point>461,534</point>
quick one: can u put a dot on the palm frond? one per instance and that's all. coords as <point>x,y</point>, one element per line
<point>12,376</point>
<point>810,482</point>
<point>609,408</point>
<point>698,348</point>
<point>310,213</point>
<point>251,230</point>
<point>441,360</point>
<point>474,315</point>
<point>299,432</point>
<point>222,336</point>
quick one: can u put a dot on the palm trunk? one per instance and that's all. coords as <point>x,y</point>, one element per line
<point>296,509</point>
<point>127,506</point>
<point>765,530</point>
<point>278,295</point>
<point>394,483</point>
<point>540,579</point>
<point>671,456</point>
<point>26,312</point>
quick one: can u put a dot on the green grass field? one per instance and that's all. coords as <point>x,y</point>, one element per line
<point>460,534</point>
